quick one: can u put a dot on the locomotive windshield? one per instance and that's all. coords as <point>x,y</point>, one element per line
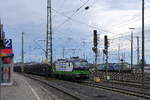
<point>81,64</point>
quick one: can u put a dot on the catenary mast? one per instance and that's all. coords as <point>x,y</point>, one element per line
<point>49,51</point>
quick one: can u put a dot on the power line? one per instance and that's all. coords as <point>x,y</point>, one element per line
<point>91,26</point>
<point>72,14</point>
<point>127,21</point>
<point>80,22</point>
<point>93,3</point>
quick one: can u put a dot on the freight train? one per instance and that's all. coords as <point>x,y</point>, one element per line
<point>71,68</point>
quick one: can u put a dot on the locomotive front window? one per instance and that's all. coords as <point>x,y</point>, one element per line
<point>81,64</point>
<point>77,64</point>
<point>85,64</point>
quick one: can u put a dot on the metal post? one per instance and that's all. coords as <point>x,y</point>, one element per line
<point>131,47</point>
<point>96,69</point>
<point>0,30</point>
<point>106,42</point>
<point>1,46</point>
<point>96,59</point>
<point>119,53</point>
<point>131,50</point>
<point>143,45</point>
<point>22,56</point>
<point>103,58</point>
<point>1,65</point>
<point>124,56</point>
<point>63,53</point>
<point>107,77</point>
<point>95,49</point>
<point>138,56</point>
<point>49,49</point>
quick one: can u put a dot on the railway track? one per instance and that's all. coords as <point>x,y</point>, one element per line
<point>79,96</point>
<point>120,90</point>
<point>68,92</point>
<point>116,89</point>
<point>131,84</point>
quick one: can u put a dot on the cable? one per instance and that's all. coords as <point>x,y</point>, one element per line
<point>93,3</point>
<point>72,14</point>
<point>76,12</point>
<point>81,1</point>
<point>70,18</point>
<point>131,19</point>
<point>81,22</point>
<point>84,23</point>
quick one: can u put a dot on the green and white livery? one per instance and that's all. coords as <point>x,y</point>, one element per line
<point>71,68</point>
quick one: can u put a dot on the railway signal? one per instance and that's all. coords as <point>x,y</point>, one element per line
<point>106,42</point>
<point>106,45</point>
<point>95,38</point>
<point>95,50</point>
<point>105,51</point>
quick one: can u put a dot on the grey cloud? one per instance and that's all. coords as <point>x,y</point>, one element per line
<point>120,4</point>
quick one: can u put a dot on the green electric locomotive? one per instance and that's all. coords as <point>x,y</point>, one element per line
<point>71,68</point>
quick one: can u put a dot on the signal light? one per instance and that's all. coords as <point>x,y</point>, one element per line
<point>94,50</point>
<point>105,51</point>
<point>95,38</point>
<point>105,42</point>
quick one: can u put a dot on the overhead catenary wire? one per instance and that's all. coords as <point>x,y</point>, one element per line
<point>129,22</point>
<point>73,14</point>
<point>70,18</point>
<point>91,26</point>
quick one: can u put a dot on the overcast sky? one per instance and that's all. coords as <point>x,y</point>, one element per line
<point>111,17</point>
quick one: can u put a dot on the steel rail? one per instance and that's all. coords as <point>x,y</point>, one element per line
<point>134,84</point>
<point>120,90</point>
<point>73,94</point>
<point>94,85</point>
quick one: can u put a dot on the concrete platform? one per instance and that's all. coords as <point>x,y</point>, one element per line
<point>24,89</point>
